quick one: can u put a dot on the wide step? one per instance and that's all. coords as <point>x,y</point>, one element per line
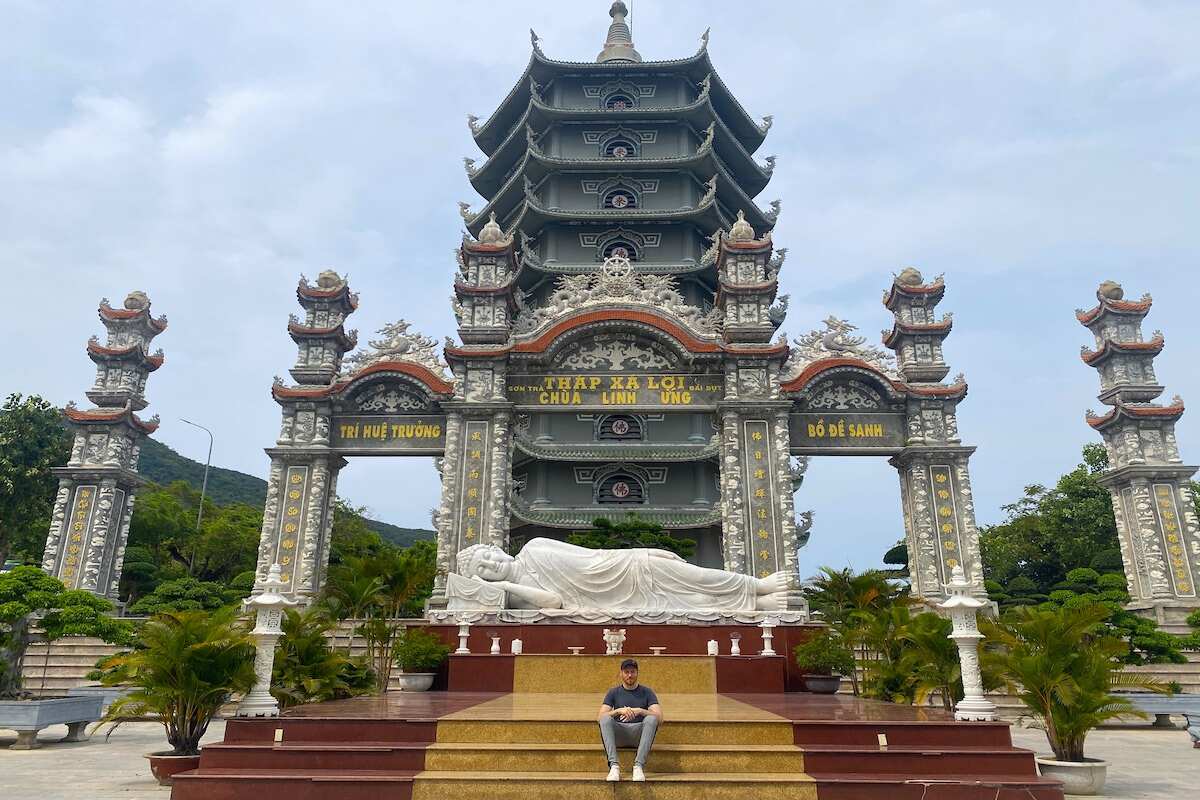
<point>664,758</point>
<point>592,786</point>
<point>863,786</point>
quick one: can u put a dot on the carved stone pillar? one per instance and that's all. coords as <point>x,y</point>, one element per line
<point>939,518</point>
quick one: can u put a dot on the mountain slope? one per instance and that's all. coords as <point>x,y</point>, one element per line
<point>163,465</point>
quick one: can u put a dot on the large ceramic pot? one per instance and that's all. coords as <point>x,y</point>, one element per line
<point>1079,777</point>
<point>822,684</point>
<point>165,766</point>
<point>415,681</point>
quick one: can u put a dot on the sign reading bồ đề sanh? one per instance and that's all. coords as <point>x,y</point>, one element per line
<point>621,390</point>
<point>418,434</point>
<point>811,432</point>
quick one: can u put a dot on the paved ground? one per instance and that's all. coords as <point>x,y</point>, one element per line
<point>95,769</point>
<point>1146,764</point>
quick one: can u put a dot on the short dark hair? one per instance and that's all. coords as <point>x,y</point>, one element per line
<point>629,663</point>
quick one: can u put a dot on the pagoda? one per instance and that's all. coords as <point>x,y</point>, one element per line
<point>609,179</point>
<point>92,511</point>
<point>1152,499</point>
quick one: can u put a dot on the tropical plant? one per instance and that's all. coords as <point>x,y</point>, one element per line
<point>26,593</point>
<point>381,590</point>
<point>418,650</point>
<point>848,600</point>
<point>632,532</point>
<point>930,657</point>
<point>884,676</point>
<point>307,669</point>
<point>1063,665</point>
<point>825,653</point>
<point>183,668</point>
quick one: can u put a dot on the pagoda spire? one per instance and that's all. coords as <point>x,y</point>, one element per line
<point>619,44</point>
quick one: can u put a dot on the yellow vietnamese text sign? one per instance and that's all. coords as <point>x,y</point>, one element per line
<point>626,390</point>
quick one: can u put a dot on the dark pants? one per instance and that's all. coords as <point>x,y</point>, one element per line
<point>638,734</point>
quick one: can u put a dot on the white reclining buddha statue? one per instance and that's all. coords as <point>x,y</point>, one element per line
<point>549,574</point>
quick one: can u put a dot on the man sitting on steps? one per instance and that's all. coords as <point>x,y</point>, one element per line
<point>630,715</point>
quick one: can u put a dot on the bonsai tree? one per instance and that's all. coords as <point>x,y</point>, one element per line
<point>184,667</point>
<point>824,654</point>
<point>418,650</point>
<point>27,594</point>
<point>1063,664</point>
<point>307,669</point>
<point>633,532</point>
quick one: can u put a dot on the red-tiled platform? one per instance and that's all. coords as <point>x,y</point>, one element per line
<point>373,747</point>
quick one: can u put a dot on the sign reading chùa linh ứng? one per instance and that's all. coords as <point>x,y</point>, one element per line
<point>624,390</point>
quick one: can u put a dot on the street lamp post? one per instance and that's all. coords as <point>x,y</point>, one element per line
<point>207,462</point>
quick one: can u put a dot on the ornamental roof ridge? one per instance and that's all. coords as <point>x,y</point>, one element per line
<point>616,283</point>
<point>136,308</point>
<point>1134,410</point>
<point>1153,346</point>
<point>397,344</point>
<point>1110,300</point>
<point>836,341</point>
<point>667,516</point>
<point>633,451</point>
<point>328,286</point>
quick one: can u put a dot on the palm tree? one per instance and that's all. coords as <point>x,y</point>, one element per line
<point>307,669</point>
<point>1063,665</point>
<point>930,657</point>
<point>848,601</point>
<point>185,666</point>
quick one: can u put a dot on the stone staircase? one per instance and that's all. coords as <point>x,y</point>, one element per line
<point>543,742</point>
<point>70,660</point>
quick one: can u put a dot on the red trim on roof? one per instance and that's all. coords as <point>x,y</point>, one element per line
<point>693,344</point>
<point>108,312</point>
<point>899,328</point>
<point>423,374</point>
<point>937,287</point>
<point>480,247</point>
<point>1173,411</point>
<point>328,294</point>
<point>1155,345</point>
<point>117,415</point>
<point>1118,306</point>
<point>816,368</point>
<point>152,362</point>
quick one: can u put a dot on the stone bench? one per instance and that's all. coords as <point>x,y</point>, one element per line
<point>1162,706</point>
<point>27,717</point>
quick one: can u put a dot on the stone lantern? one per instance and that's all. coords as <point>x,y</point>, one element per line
<point>268,607</point>
<point>962,607</point>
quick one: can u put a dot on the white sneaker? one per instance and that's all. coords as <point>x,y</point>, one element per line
<point>614,773</point>
<point>638,775</point>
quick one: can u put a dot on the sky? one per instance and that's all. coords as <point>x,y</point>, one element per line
<point>210,153</point>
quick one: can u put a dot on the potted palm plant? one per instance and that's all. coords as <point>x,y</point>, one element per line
<point>418,653</point>
<point>823,660</point>
<point>1063,665</point>
<point>183,668</point>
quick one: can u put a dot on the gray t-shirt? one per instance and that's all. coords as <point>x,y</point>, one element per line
<point>640,696</point>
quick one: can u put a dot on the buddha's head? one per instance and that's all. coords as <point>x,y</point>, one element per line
<point>486,561</point>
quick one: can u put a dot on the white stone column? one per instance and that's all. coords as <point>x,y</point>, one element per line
<point>269,606</point>
<point>962,607</point>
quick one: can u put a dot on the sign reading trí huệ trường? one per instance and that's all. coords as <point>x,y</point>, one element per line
<point>621,390</point>
<point>406,433</point>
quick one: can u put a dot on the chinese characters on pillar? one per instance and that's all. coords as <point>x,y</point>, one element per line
<point>1168,517</point>
<point>941,481</point>
<point>475,465</point>
<point>762,548</point>
<point>81,522</point>
<point>291,521</point>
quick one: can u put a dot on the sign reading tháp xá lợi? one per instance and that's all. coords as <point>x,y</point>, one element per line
<point>624,390</point>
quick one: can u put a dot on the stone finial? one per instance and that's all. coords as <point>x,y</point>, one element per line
<point>136,301</point>
<point>910,276</point>
<point>619,44</point>
<point>741,231</point>
<point>491,233</point>
<point>1110,290</point>
<point>329,280</point>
